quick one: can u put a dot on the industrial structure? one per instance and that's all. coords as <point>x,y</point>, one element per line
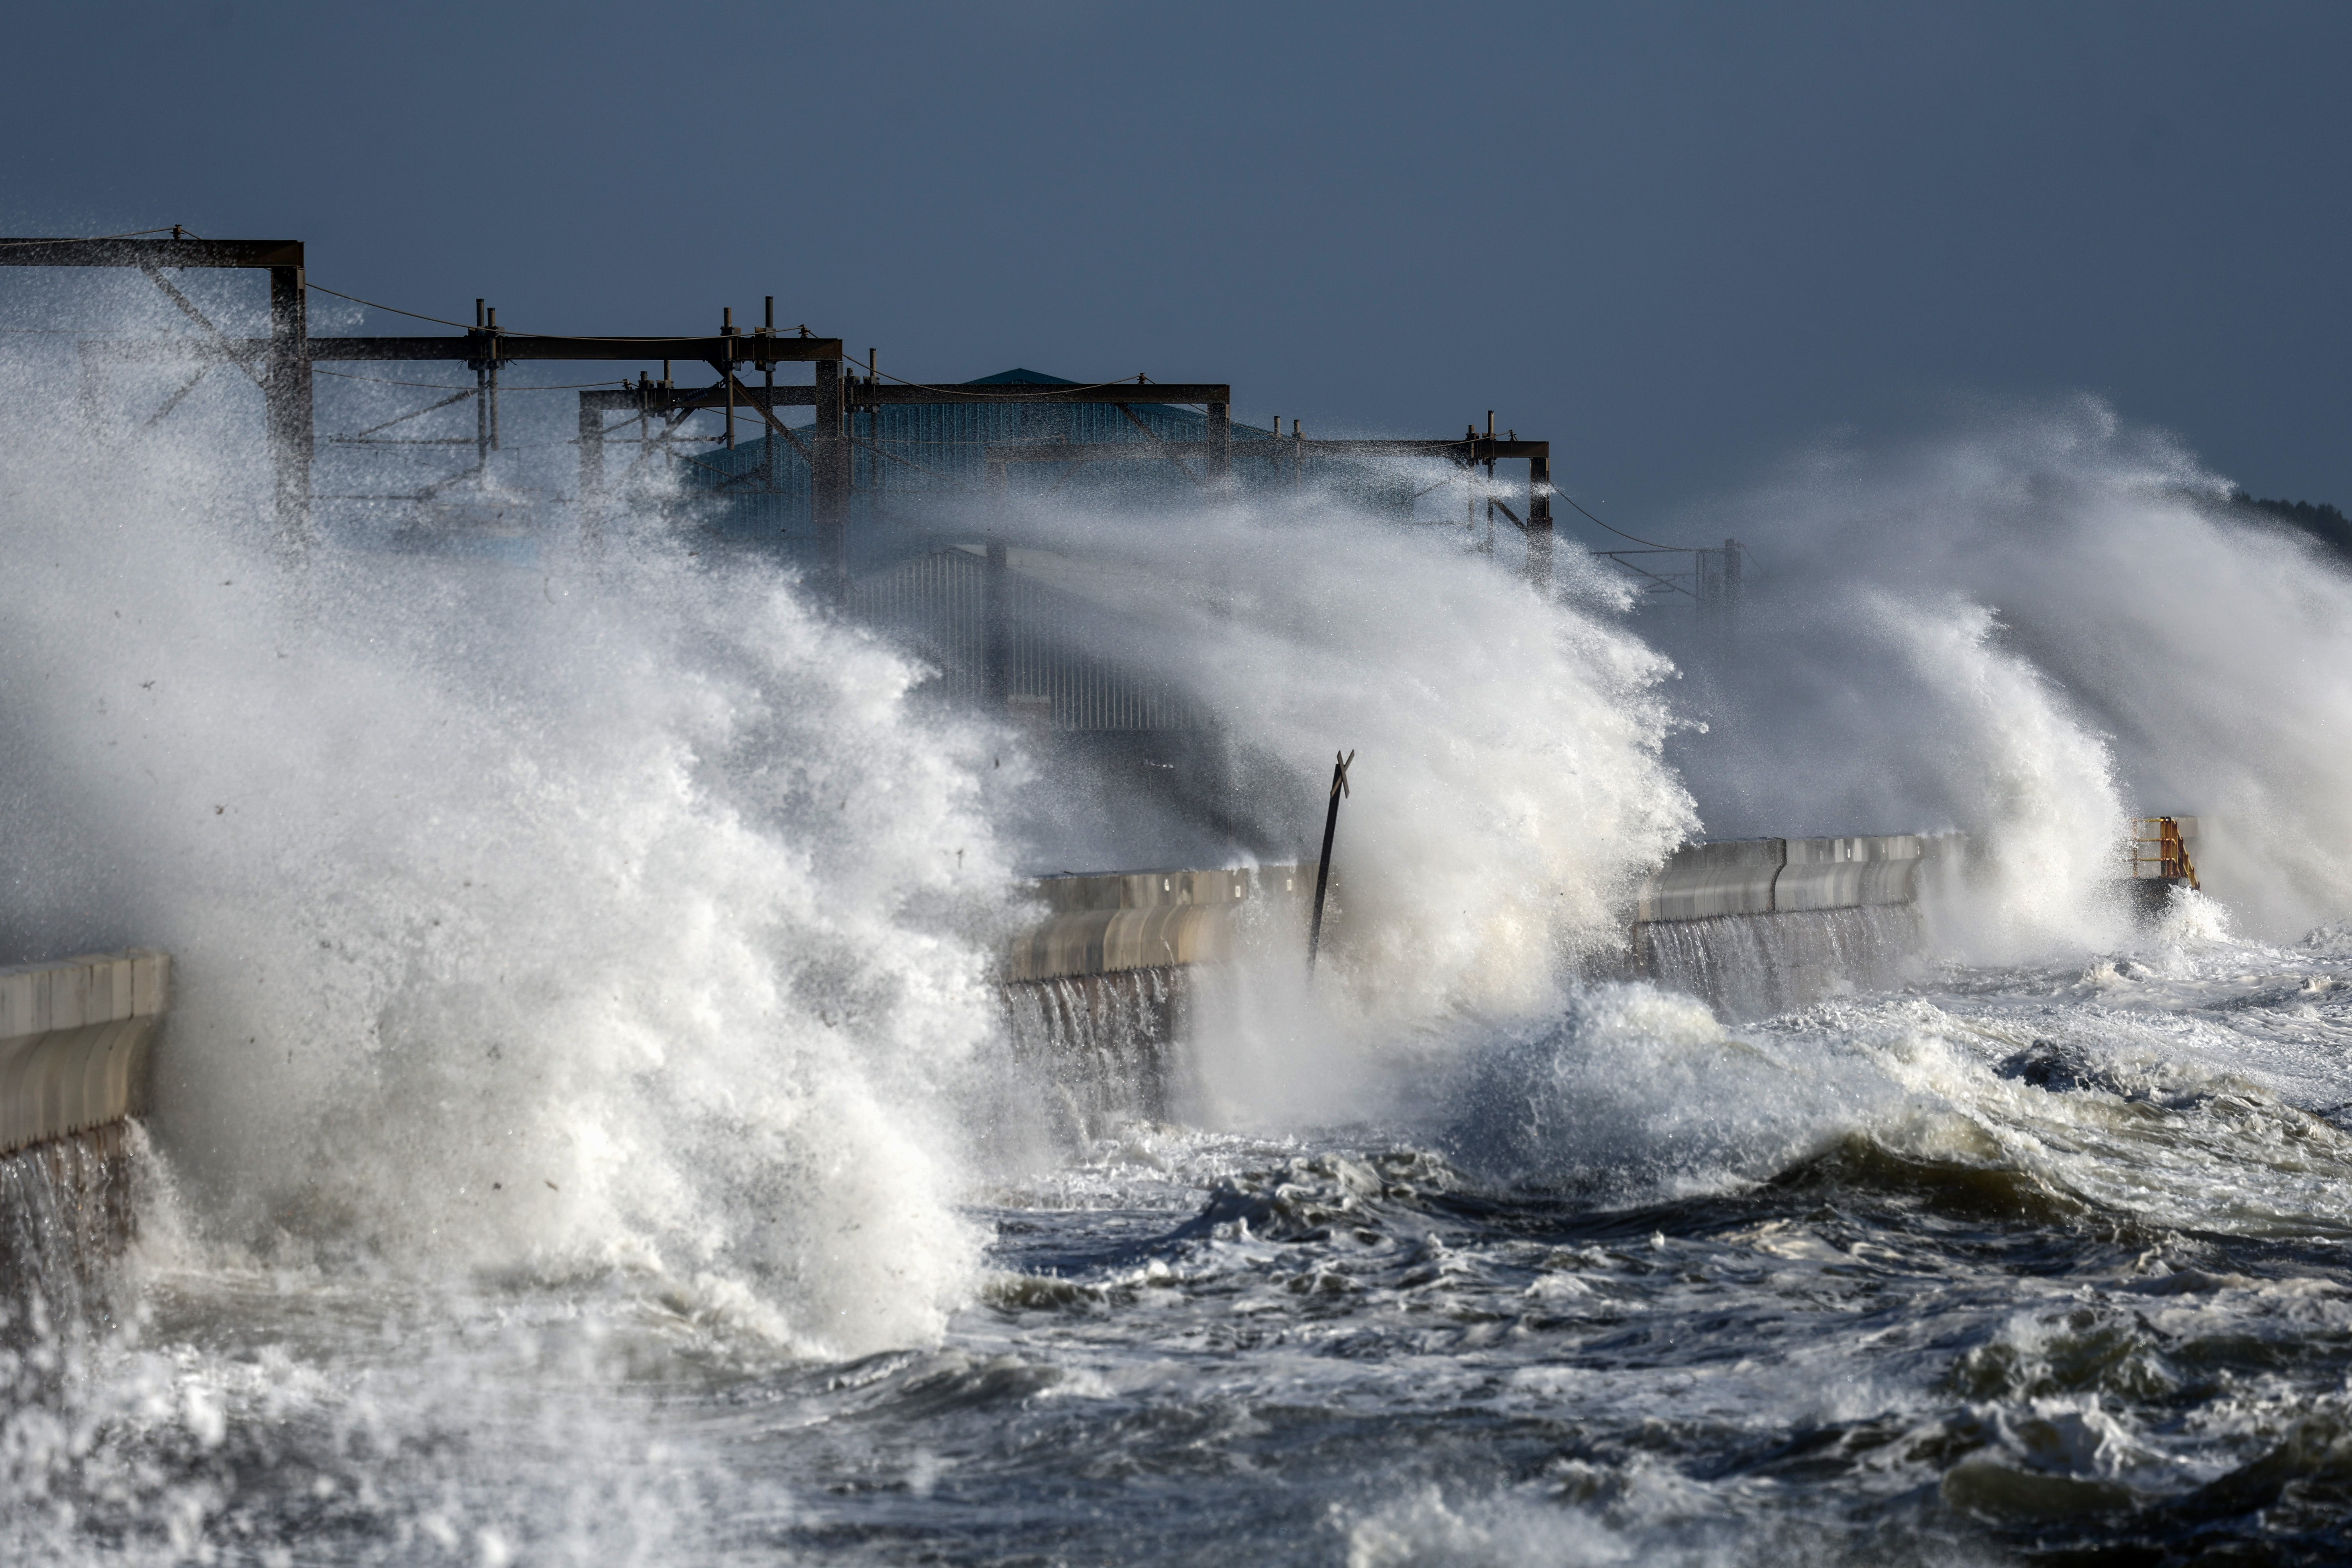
<point>890,500</point>
<point>849,409</point>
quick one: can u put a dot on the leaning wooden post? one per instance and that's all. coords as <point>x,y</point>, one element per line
<point>1323,871</point>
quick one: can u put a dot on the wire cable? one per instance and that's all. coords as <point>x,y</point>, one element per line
<point>371,304</point>
<point>92,238</point>
<point>1621,532</point>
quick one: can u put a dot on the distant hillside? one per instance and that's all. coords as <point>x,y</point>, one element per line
<point>2320,521</point>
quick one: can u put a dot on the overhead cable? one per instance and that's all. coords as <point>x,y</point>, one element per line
<point>91,238</point>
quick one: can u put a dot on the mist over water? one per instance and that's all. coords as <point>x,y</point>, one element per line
<point>524,915</point>
<point>2028,628</point>
<point>589,1132</point>
<point>1522,790</point>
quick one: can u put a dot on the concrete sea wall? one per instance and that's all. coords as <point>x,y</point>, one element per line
<point>1099,992</point>
<point>75,1035</point>
<point>1116,921</point>
<point>1758,926</point>
<point>1774,875</point>
<point>76,1038</point>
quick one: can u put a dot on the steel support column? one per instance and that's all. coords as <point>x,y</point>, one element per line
<point>829,482</point>
<point>288,396</point>
<point>1538,526</point>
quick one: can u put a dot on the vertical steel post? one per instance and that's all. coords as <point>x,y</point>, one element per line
<point>494,378</point>
<point>768,443</point>
<point>829,482</point>
<point>1539,535</point>
<point>288,403</point>
<point>1323,868</point>
<point>1717,574</point>
<point>481,397</point>
<point>1220,445</point>
<point>1469,460</point>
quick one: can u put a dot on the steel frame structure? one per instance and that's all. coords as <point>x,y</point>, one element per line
<point>281,365</point>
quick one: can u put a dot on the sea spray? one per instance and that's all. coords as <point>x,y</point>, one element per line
<point>1949,632</point>
<point>526,918</point>
<point>1508,741</point>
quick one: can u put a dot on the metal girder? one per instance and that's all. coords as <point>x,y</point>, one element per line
<point>503,347</point>
<point>653,398</point>
<point>1475,451</point>
<point>864,394</point>
<point>742,349</point>
<point>151,253</point>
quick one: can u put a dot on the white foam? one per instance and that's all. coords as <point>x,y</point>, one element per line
<point>541,919</point>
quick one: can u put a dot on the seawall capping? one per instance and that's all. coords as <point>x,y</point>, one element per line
<point>94,988</point>
<point>1071,893</point>
<point>1771,876</point>
<point>1106,923</point>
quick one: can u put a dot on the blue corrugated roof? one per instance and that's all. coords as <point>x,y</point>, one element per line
<point>908,448</point>
<point>1022,378</point>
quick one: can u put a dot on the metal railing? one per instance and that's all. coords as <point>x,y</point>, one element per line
<point>2159,848</point>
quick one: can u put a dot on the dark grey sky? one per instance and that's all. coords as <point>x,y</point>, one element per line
<point>1678,239</point>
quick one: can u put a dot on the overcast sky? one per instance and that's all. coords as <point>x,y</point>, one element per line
<point>1679,240</point>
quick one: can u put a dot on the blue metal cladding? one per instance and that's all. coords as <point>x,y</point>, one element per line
<point>908,458</point>
<point>918,472</point>
<point>937,603</point>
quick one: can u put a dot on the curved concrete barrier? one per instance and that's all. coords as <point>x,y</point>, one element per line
<point>1779,875</point>
<point>1098,941</point>
<point>1726,877</point>
<point>1848,873</point>
<point>75,1040</point>
<point>1144,920</point>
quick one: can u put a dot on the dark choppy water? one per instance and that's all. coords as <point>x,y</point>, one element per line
<point>2023,1265</point>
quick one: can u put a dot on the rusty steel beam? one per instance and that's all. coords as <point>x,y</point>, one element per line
<point>864,394</point>
<point>502,347</point>
<point>1470,451</point>
<point>151,253</point>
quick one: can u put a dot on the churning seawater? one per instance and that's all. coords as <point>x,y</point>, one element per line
<point>590,1131</point>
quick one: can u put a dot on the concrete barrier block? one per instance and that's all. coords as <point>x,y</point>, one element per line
<point>1144,919</point>
<point>62,1082</point>
<point>1726,877</point>
<point>79,993</point>
<point>151,982</point>
<point>1847,873</point>
<point>94,988</point>
<point>24,999</point>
